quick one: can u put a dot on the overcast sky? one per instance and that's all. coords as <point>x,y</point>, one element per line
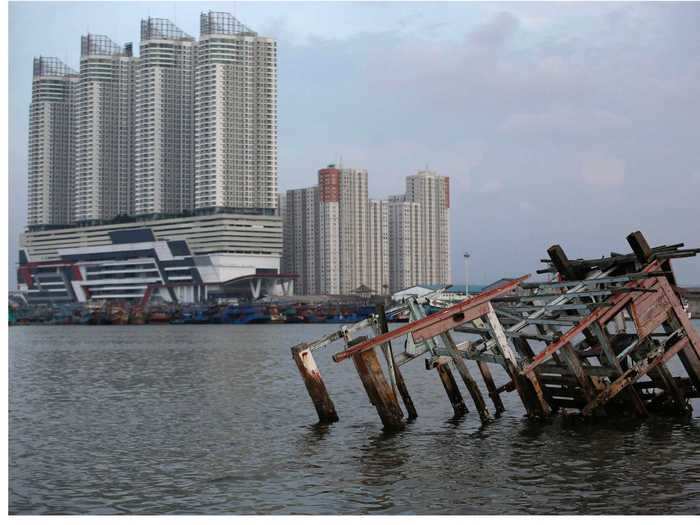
<point>557,123</point>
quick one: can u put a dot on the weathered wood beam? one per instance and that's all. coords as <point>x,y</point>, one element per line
<point>314,383</point>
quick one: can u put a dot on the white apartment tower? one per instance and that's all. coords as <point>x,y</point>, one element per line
<point>51,142</point>
<point>104,137</point>
<point>353,228</point>
<point>378,247</point>
<point>406,243</point>
<point>300,251</point>
<point>329,231</point>
<point>235,116</point>
<point>432,192</point>
<point>164,120</point>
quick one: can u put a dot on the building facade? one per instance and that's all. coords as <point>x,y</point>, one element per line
<point>339,241</point>
<point>51,154</point>
<point>301,239</point>
<point>132,264</point>
<point>406,243</point>
<point>378,247</point>
<point>235,116</point>
<point>104,165</point>
<point>164,120</point>
<point>432,192</point>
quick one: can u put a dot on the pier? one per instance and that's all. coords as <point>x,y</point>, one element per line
<point>594,340</point>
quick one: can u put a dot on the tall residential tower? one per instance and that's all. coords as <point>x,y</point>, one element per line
<point>51,142</point>
<point>104,140</point>
<point>432,192</point>
<point>235,107</point>
<point>164,120</point>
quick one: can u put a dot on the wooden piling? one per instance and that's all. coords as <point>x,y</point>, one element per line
<point>491,387</point>
<point>314,384</point>
<point>400,382</point>
<point>379,391</point>
<point>473,388</point>
<point>451,389</point>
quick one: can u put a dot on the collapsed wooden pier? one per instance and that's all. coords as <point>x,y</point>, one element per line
<point>596,340</point>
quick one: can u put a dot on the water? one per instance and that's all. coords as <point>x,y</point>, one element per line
<point>215,419</point>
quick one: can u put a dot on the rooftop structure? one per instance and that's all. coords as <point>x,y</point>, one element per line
<point>218,23</point>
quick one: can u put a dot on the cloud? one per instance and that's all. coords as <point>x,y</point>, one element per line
<point>603,172</point>
<point>496,32</point>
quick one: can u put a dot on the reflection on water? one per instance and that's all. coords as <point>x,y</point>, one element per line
<point>215,419</point>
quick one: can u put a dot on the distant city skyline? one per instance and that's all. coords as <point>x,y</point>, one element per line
<point>583,112</point>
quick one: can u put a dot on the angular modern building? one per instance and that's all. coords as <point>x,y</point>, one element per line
<point>104,115</point>
<point>51,153</point>
<point>164,120</point>
<point>235,116</point>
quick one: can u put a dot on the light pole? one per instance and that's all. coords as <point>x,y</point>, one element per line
<point>466,274</point>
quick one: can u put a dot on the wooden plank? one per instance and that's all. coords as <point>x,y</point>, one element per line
<point>574,365</point>
<point>609,357</point>
<point>314,384</point>
<point>633,374</point>
<point>430,320</point>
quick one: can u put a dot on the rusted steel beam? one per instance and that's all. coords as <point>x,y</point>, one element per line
<point>400,382</point>
<point>633,374</point>
<point>457,310</point>
<point>451,389</point>
<point>380,393</point>
<point>314,384</point>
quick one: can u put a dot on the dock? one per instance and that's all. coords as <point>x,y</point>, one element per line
<point>594,340</point>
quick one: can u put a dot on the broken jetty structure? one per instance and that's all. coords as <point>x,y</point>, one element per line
<point>595,340</point>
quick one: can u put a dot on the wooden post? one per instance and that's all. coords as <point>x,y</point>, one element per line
<point>380,393</point>
<point>491,387</point>
<point>400,383</point>
<point>573,363</point>
<point>451,388</point>
<point>466,377</point>
<point>314,384</point>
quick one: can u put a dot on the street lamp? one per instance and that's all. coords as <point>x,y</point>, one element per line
<point>466,274</point>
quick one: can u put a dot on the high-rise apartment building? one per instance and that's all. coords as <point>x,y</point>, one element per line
<point>406,243</point>
<point>300,227</point>
<point>235,116</point>
<point>104,137</point>
<point>51,142</point>
<point>378,246</point>
<point>432,192</point>
<point>329,231</point>
<point>164,120</point>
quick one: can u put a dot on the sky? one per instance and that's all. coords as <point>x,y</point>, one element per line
<point>571,124</point>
